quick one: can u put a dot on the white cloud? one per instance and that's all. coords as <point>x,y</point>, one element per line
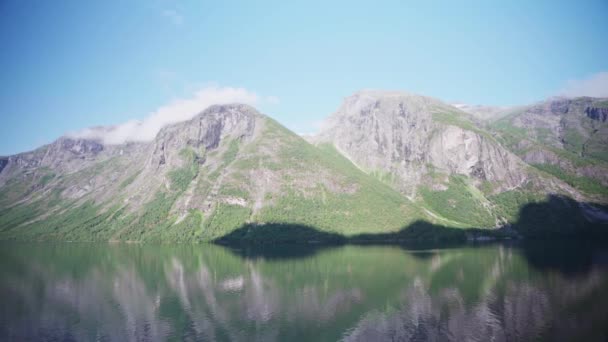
<point>174,16</point>
<point>593,86</point>
<point>176,111</point>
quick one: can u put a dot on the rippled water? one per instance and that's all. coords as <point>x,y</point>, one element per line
<point>85,292</point>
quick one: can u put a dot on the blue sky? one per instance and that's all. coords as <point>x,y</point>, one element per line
<point>67,65</point>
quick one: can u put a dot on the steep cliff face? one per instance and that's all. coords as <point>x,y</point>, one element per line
<point>409,136</point>
<point>180,152</point>
<point>3,163</point>
<point>465,152</point>
<point>597,114</point>
<point>205,132</point>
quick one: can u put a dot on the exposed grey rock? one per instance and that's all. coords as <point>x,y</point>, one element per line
<point>150,161</point>
<point>466,152</point>
<point>599,114</point>
<point>399,133</point>
<point>540,156</point>
<point>576,126</point>
<point>3,163</point>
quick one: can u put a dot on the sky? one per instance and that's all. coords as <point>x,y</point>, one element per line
<point>67,65</point>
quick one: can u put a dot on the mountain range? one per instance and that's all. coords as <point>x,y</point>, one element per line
<point>386,165</point>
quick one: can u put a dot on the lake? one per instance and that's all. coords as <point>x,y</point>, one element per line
<point>119,292</point>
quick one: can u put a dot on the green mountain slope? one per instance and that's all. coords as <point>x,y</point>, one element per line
<point>181,189</point>
<point>390,166</point>
<point>567,138</point>
<point>447,161</point>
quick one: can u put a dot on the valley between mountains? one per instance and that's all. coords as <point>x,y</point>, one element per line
<point>387,166</point>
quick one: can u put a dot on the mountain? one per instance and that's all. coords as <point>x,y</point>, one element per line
<point>387,165</point>
<point>407,138</point>
<point>199,179</point>
<point>439,157</point>
<point>485,112</point>
<point>565,137</point>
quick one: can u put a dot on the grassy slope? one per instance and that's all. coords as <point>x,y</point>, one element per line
<point>461,203</point>
<point>372,208</point>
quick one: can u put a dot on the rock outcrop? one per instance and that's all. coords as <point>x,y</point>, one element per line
<point>409,136</point>
<point>566,136</point>
<point>598,114</point>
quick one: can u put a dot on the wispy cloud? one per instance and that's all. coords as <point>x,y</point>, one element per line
<point>594,86</point>
<point>174,16</point>
<point>176,111</point>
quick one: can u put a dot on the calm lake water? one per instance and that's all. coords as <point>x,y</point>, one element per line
<point>97,292</point>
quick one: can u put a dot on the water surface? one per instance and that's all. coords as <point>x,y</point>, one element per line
<point>98,292</point>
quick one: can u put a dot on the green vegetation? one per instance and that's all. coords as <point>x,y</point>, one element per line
<point>225,219</point>
<point>504,125</point>
<point>543,134</point>
<point>460,203</point>
<point>181,178</point>
<point>360,204</point>
<point>601,104</point>
<point>187,230</point>
<point>597,147</point>
<point>80,222</point>
<point>578,140</point>
<point>573,141</point>
<point>535,215</point>
<point>585,184</point>
<point>19,214</point>
<point>576,159</point>
<point>129,180</point>
<point>14,190</point>
<point>154,214</point>
<point>509,203</point>
<point>230,155</point>
<point>459,120</point>
<point>308,192</point>
<point>510,135</point>
<point>44,180</point>
<point>385,177</point>
<point>353,202</point>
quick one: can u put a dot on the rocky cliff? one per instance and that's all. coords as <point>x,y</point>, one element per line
<point>410,136</point>
<point>566,137</point>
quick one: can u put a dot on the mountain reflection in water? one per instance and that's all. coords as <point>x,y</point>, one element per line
<point>86,292</point>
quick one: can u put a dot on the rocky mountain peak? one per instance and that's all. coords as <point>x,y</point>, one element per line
<point>203,133</point>
<point>378,102</point>
<point>76,146</point>
<point>404,134</point>
<point>210,126</point>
